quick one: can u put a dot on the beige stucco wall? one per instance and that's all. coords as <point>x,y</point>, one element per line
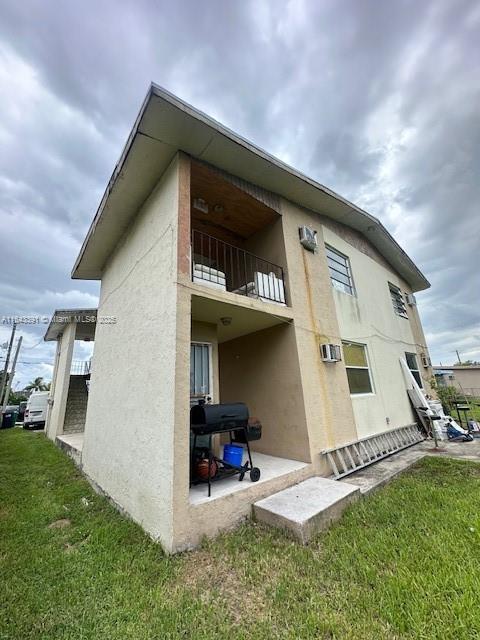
<point>369,318</point>
<point>361,244</point>
<point>128,448</point>
<point>422,348</point>
<point>465,380</point>
<point>329,414</point>
<point>269,243</point>
<point>61,381</point>
<point>262,370</point>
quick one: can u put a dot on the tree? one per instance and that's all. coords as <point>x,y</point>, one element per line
<point>16,397</point>
<point>38,385</point>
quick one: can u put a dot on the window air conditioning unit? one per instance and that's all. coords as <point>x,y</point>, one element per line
<point>308,238</point>
<point>411,300</point>
<point>331,352</point>
<point>426,360</point>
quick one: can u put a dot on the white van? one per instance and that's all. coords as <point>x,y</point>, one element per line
<point>36,411</point>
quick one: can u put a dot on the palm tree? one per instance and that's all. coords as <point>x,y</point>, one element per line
<point>37,385</point>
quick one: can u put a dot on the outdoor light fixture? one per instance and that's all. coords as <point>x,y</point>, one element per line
<point>218,208</point>
<point>226,321</point>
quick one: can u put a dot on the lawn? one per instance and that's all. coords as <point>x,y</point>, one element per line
<point>403,563</point>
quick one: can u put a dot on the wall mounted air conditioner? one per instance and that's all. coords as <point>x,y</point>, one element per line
<point>411,300</point>
<point>426,360</point>
<point>331,352</point>
<point>308,238</point>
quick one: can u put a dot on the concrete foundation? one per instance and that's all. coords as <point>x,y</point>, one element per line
<point>308,507</point>
<point>72,444</point>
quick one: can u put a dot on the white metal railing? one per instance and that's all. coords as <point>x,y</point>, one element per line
<point>80,367</point>
<point>229,268</point>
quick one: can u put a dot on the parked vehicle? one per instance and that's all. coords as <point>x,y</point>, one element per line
<point>9,416</point>
<point>36,410</point>
<point>21,410</point>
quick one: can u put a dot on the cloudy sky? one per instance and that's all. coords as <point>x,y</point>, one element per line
<point>378,100</point>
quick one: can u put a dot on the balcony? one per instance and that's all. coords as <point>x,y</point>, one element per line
<point>81,367</point>
<point>225,267</point>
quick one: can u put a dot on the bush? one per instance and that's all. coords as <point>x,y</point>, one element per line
<point>448,396</point>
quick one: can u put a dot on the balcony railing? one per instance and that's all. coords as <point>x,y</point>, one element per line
<point>227,268</point>
<point>80,367</point>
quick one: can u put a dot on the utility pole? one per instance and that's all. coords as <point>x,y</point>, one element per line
<point>12,373</point>
<point>7,360</point>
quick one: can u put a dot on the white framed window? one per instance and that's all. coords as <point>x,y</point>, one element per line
<point>200,371</point>
<point>412,364</point>
<point>398,301</point>
<point>340,270</point>
<point>358,370</point>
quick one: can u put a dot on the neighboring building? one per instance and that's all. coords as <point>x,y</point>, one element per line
<point>465,378</point>
<point>206,290</point>
<point>69,388</point>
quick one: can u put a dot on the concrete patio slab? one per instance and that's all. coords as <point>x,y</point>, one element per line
<point>306,508</point>
<point>271,468</point>
<point>72,444</point>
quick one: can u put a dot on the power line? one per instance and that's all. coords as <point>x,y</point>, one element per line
<point>30,362</point>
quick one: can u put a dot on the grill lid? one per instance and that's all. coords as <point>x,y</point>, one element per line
<point>214,417</point>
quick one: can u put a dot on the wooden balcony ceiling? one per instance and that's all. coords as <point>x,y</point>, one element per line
<point>242,214</point>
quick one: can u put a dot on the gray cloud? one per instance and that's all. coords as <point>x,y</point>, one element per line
<point>376,100</point>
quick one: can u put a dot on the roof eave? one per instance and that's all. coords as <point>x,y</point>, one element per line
<point>391,250</point>
<point>52,332</point>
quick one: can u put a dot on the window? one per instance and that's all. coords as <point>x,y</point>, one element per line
<point>340,272</point>
<point>413,366</point>
<point>199,371</point>
<point>358,374</point>
<point>399,305</point>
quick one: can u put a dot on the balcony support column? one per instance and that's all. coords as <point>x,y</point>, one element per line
<point>60,382</point>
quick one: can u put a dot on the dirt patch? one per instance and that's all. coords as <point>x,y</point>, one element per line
<point>70,548</point>
<point>60,524</point>
<point>211,578</point>
<point>4,513</point>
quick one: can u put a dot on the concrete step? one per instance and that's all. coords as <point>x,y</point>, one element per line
<point>307,507</point>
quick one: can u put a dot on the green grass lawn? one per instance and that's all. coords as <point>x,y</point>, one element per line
<point>474,412</point>
<point>403,563</point>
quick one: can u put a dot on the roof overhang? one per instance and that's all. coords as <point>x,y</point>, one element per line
<point>85,320</point>
<point>456,367</point>
<point>166,125</point>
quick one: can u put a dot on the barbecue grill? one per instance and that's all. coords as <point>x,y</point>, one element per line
<point>217,418</point>
<point>232,418</point>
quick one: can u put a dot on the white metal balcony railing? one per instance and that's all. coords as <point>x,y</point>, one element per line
<point>227,268</point>
<point>80,367</point>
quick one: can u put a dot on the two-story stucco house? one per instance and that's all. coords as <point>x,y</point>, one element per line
<point>207,290</point>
